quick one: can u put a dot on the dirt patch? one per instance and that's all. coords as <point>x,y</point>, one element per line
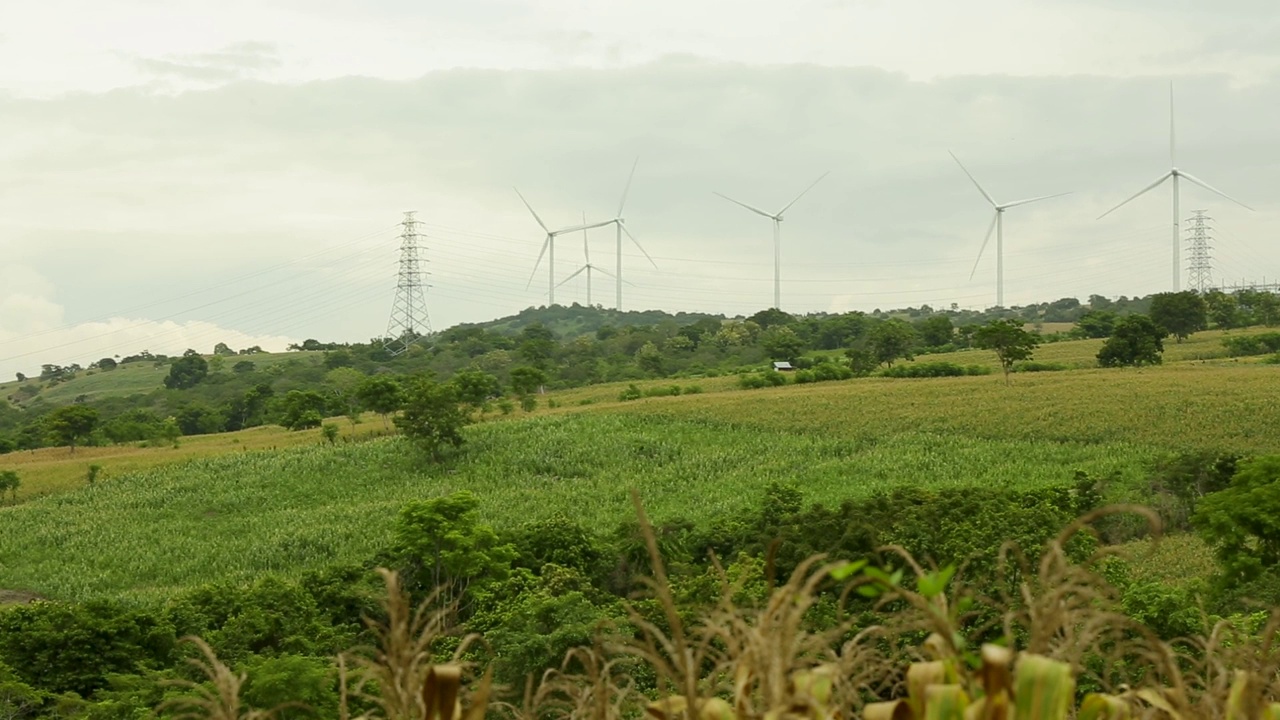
<point>17,597</point>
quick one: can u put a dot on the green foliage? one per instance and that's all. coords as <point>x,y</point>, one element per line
<point>197,419</point>
<point>1096,323</point>
<point>304,683</point>
<point>649,358</point>
<point>1242,522</point>
<point>862,362</point>
<point>1031,366</point>
<point>1008,340</point>
<point>9,483</point>
<point>632,392</point>
<point>1261,344</point>
<point>187,371</point>
<point>1135,341</point>
<point>301,409</point>
<point>330,433</point>
<point>781,343</point>
<point>527,380</point>
<point>891,340</point>
<point>1180,313</point>
<point>1223,310</point>
<point>768,378</point>
<point>934,370</point>
<point>936,331</point>
<point>528,403</point>
<point>91,476</point>
<point>380,394</point>
<point>441,544</point>
<point>107,364</point>
<point>475,387</point>
<point>63,647</point>
<point>72,424</point>
<point>432,416</point>
<point>662,391</point>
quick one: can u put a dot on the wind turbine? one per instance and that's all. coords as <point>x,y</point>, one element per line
<point>997,224</point>
<point>588,267</point>
<point>619,221</point>
<point>550,245</point>
<point>1174,173</point>
<point>777,235</point>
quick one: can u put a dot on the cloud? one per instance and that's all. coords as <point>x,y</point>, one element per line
<point>234,62</point>
<point>130,197</point>
<point>33,330</point>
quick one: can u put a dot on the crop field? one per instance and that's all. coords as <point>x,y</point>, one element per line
<point>150,533</point>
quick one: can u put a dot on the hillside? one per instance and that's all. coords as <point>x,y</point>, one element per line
<point>701,457</point>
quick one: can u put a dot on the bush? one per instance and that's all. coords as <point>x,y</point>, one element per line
<point>1252,344</point>
<point>805,376</point>
<point>774,378</point>
<point>692,389</point>
<point>1039,366</point>
<point>751,382</point>
<point>934,369</point>
<point>662,391</point>
<point>831,371</point>
<point>631,393</point>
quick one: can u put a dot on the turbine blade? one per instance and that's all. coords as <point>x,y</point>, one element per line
<point>1173,158</point>
<point>752,209</point>
<point>606,272</point>
<point>545,244</point>
<point>1034,199</point>
<point>535,215</point>
<point>976,184</point>
<point>990,229</point>
<point>586,249</point>
<point>576,228</point>
<point>1212,189</point>
<point>1135,196</point>
<point>627,188</point>
<point>576,274</point>
<point>637,242</point>
<point>802,194</point>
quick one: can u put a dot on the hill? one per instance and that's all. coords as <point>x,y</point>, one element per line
<point>569,322</point>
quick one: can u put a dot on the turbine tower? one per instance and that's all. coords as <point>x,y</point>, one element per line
<point>997,224</point>
<point>777,236</point>
<point>550,245</point>
<point>588,267</point>
<point>621,228</point>
<point>1174,173</point>
<point>409,320</point>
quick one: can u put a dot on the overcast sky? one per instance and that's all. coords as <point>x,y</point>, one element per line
<point>175,173</point>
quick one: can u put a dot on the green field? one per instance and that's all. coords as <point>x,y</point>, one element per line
<point>695,456</point>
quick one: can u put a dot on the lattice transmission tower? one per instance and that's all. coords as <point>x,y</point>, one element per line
<point>409,322</point>
<point>1200,265</point>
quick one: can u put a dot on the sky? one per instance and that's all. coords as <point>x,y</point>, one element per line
<point>178,173</point>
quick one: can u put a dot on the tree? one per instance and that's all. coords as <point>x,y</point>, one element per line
<point>1180,313</point>
<point>527,380</point>
<point>432,416</point>
<point>936,331</point>
<point>781,342</point>
<point>302,409</point>
<point>187,372</point>
<point>106,364</point>
<point>380,394</point>
<point>1242,522</point>
<point>242,367</point>
<point>890,340</point>
<point>1009,340</point>
<point>330,432</point>
<point>442,544</point>
<point>475,387</point>
<point>1096,323</point>
<point>649,358</point>
<point>22,378</point>
<point>537,344</point>
<point>71,424</point>
<point>771,317</point>
<point>10,482</point>
<point>223,350</point>
<point>338,358</point>
<point>1136,340</point>
<point>1223,309</point>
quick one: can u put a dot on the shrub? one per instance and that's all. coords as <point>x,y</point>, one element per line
<point>692,389</point>
<point>752,382</point>
<point>631,393</point>
<point>1252,344</point>
<point>805,376</point>
<point>934,369</point>
<point>662,391</point>
<point>774,378</point>
<point>831,371</point>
